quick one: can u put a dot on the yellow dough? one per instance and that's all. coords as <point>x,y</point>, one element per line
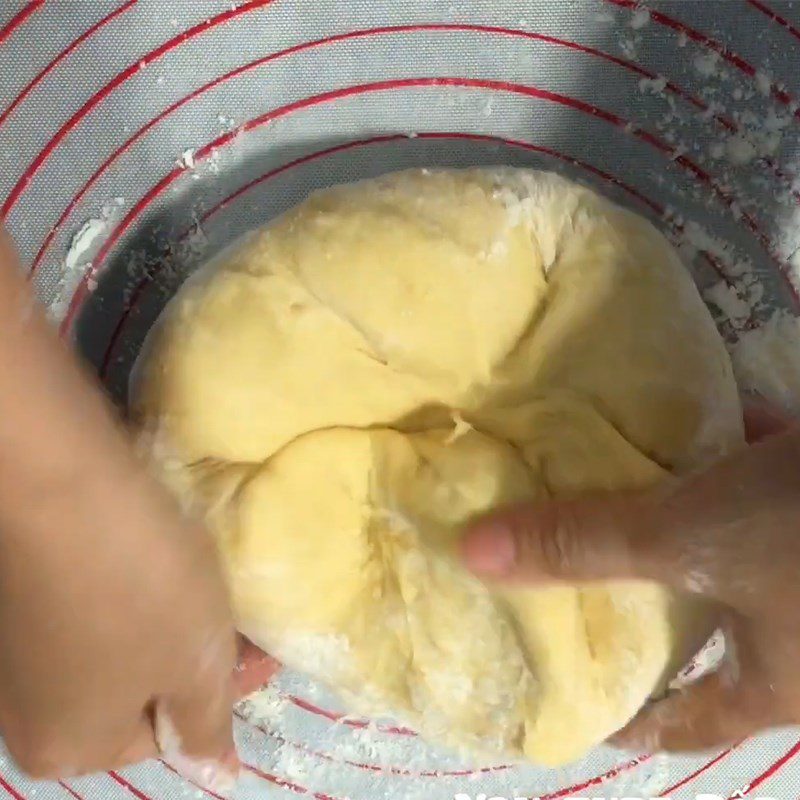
<point>340,393</point>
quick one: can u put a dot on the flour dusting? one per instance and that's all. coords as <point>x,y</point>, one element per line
<point>767,361</point>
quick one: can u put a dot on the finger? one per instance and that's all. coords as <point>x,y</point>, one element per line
<point>254,670</point>
<point>593,538</point>
<point>194,724</point>
<point>710,713</point>
<point>763,419</point>
<point>209,759</point>
<point>695,535</point>
<point>72,757</point>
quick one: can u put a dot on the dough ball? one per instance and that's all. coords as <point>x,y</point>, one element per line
<point>343,391</point>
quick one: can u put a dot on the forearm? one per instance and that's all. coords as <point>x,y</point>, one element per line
<point>53,421</point>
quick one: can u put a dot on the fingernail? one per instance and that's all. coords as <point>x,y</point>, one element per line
<point>490,550</point>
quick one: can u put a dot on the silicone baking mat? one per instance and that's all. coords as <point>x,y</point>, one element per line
<point>139,138</point>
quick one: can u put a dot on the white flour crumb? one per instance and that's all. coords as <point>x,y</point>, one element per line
<point>728,301</point>
<point>640,18</point>
<point>707,63</point>
<point>763,83</point>
<point>652,85</point>
<point>628,47</point>
<point>740,149</point>
<point>682,39</point>
<point>266,707</point>
<point>186,160</point>
<point>707,660</point>
<point>77,262</point>
<point>83,242</point>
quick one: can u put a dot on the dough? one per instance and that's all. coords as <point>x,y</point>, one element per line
<point>340,393</point>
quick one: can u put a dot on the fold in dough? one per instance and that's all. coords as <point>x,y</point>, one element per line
<point>341,392</point>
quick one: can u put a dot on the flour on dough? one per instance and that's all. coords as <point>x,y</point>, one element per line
<point>350,385</point>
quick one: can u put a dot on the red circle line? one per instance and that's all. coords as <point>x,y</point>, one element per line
<point>772,770</point>
<point>697,773</point>
<point>386,769</point>
<point>285,784</point>
<point>73,46</point>
<point>129,787</point>
<point>208,149</point>
<point>141,286</point>
<point>68,788</point>
<point>19,18</point>
<point>343,718</point>
<point>706,41</point>
<point>364,33</point>
<point>775,17</point>
<point>109,88</point>
<point>587,783</point>
<point>203,789</point>
<point>10,790</point>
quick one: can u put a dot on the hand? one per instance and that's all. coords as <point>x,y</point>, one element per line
<point>114,631</point>
<point>730,534</point>
<point>116,638</point>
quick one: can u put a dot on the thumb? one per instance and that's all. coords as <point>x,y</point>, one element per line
<point>714,533</point>
<point>593,538</point>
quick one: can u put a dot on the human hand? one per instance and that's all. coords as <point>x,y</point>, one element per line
<point>730,534</point>
<point>115,633</point>
<point>116,638</point>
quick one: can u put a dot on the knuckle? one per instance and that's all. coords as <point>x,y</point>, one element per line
<point>555,539</point>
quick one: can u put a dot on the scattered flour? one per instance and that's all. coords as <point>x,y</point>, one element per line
<point>763,83</point>
<point>640,18</point>
<point>83,241</point>
<point>266,707</point>
<point>652,85</point>
<point>740,149</point>
<point>707,63</point>
<point>729,302</point>
<point>77,263</point>
<point>767,360</point>
<point>186,159</point>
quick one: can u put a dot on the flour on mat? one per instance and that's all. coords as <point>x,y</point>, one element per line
<point>77,262</point>
<point>767,360</point>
